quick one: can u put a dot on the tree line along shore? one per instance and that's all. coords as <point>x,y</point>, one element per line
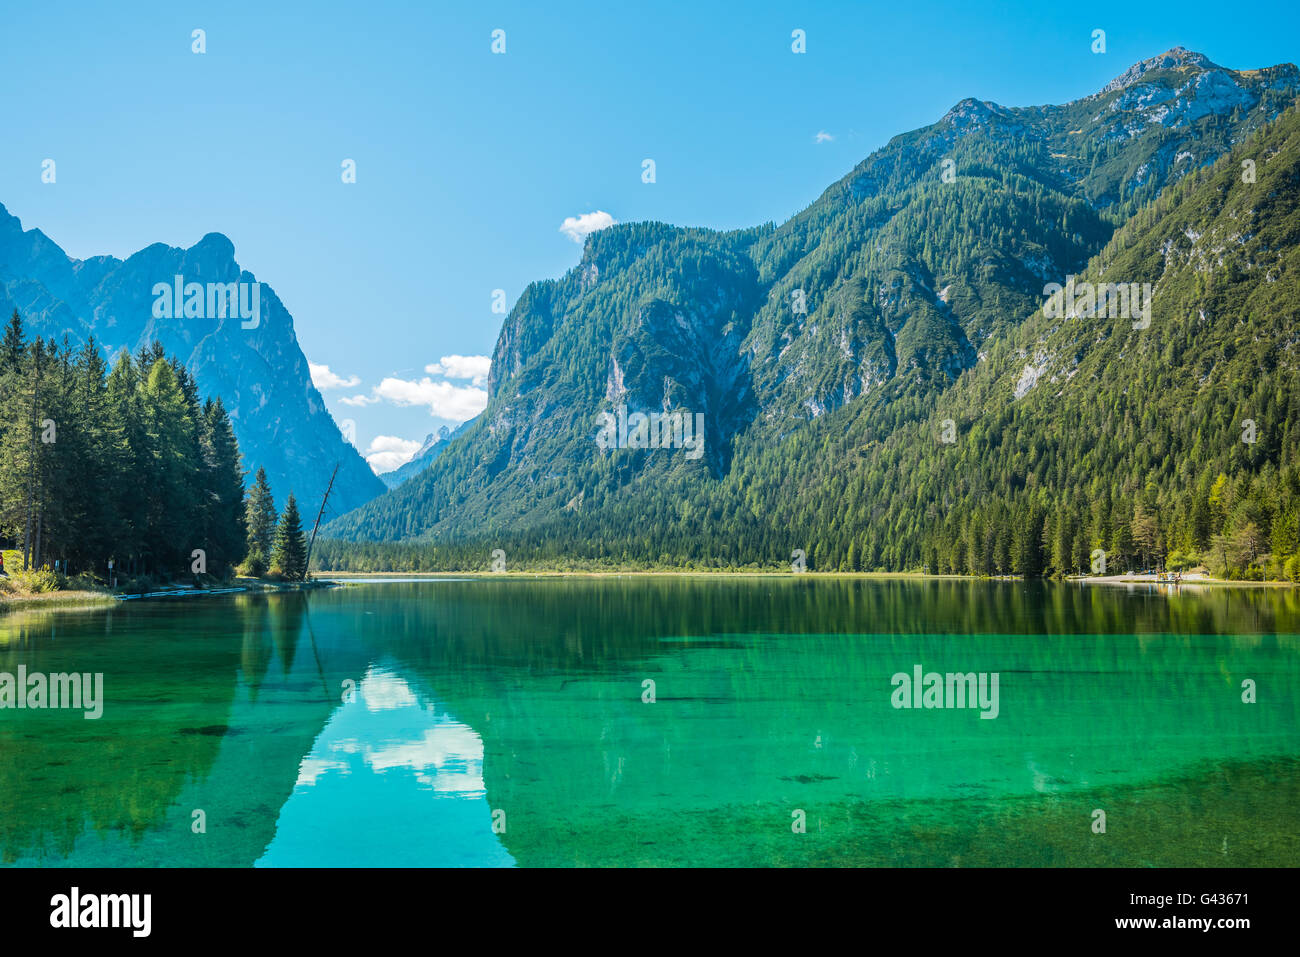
<point>123,479</point>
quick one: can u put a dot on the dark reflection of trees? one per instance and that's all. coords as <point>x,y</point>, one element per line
<point>256,649</point>
<point>171,675</point>
<point>272,627</point>
<point>288,613</point>
<point>59,773</point>
<point>575,623</point>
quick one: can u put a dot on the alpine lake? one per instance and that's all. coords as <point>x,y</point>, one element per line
<point>728,721</point>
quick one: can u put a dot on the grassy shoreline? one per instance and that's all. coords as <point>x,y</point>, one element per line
<point>55,599</point>
<point>83,598</point>
<point>774,573</point>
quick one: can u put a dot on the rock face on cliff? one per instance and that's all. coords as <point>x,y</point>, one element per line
<point>255,365</point>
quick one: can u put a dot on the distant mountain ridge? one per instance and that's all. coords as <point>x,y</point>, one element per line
<point>893,285</point>
<point>260,373</point>
<point>429,450</point>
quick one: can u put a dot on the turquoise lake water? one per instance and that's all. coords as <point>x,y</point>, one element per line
<point>508,722</point>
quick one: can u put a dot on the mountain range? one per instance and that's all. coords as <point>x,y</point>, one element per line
<point>907,301</point>
<point>256,366</point>
<point>429,450</point>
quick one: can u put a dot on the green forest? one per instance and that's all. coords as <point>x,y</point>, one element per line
<point>126,464</point>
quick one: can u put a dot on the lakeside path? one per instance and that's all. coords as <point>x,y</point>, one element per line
<point>1151,579</point>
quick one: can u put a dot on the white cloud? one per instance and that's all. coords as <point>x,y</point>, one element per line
<point>578,228</point>
<point>388,452</point>
<point>312,769</point>
<point>445,401</point>
<point>381,690</point>
<point>474,368</point>
<point>323,378</point>
<point>823,137</point>
<point>358,400</point>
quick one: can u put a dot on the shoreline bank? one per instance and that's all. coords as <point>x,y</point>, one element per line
<point>90,599</point>
<point>1131,579</point>
<point>332,579</point>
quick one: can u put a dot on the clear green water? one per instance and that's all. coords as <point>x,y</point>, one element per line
<point>772,696</point>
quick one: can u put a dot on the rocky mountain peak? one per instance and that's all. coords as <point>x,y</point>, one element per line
<point>259,372</point>
<point>216,245</point>
<point>1169,60</point>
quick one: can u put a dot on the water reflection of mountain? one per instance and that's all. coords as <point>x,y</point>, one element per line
<point>551,677</point>
<point>392,780</point>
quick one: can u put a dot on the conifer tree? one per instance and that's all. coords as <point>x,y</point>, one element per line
<point>224,524</point>
<point>172,470</point>
<point>13,438</point>
<point>261,521</point>
<point>289,558</point>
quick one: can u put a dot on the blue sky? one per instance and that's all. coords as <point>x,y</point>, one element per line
<point>468,162</point>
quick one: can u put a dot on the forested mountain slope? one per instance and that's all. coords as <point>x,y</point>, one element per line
<point>922,283</point>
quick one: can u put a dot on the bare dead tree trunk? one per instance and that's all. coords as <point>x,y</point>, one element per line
<point>329,488</point>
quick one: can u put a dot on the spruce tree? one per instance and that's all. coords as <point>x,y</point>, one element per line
<point>13,437</point>
<point>260,518</point>
<point>172,469</point>
<point>289,557</point>
<point>223,485</point>
<point>128,491</point>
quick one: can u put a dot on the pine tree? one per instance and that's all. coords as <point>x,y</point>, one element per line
<point>289,557</point>
<point>223,484</point>
<point>13,436</point>
<point>33,461</point>
<point>93,444</point>
<point>130,495</point>
<point>172,470</point>
<point>261,522</point>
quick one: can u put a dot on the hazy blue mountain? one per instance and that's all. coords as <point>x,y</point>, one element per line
<point>433,445</point>
<point>260,373</point>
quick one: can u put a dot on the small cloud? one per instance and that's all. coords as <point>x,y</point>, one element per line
<point>578,228</point>
<point>388,452</point>
<point>360,400</point>
<point>474,368</point>
<point>323,378</point>
<point>823,137</point>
